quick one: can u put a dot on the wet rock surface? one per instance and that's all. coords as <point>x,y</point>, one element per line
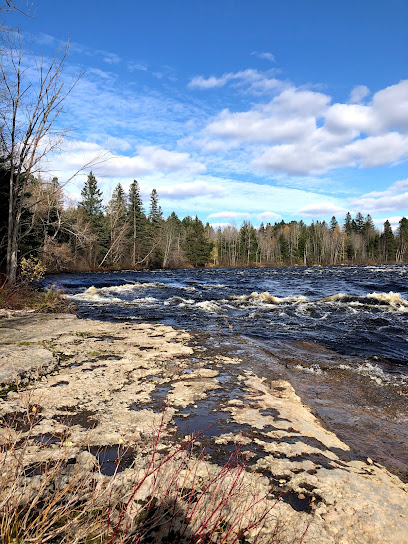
<point>101,388</point>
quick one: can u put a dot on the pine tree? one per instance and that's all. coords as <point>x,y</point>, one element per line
<point>91,202</point>
<point>358,223</point>
<point>154,242</point>
<point>347,226</point>
<point>333,223</point>
<point>137,222</point>
<point>91,206</point>
<point>196,247</point>
<point>388,242</point>
<point>369,223</point>
<point>402,239</point>
<point>155,212</point>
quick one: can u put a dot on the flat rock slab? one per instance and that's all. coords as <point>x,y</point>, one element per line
<point>106,384</point>
<point>20,363</point>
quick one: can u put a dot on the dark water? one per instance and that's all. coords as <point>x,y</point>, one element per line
<point>352,310</point>
<point>339,334</point>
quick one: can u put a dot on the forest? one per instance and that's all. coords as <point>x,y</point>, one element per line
<point>37,223</point>
<point>127,233</point>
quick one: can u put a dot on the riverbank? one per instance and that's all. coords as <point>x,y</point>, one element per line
<point>103,386</point>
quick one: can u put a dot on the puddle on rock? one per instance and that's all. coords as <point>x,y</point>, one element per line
<point>112,459</point>
<point>48,438</point>
<point>198,420</point>
<point>157,400</point>
<point>84,418</point>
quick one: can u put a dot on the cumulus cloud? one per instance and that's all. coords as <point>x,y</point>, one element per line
<point>322,209</point>
<point>393,199</point>
<point>290,116</point>
<point>394,222</point>
<point>148,159</point>
<point>268,216</point>
<point>358,93</point>
<point>221,226</point>
<point>300,132</point>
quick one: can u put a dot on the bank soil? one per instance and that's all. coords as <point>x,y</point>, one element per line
<point>103,387</point>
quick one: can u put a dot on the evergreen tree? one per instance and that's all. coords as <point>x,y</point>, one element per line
<point>154,242</point>
<point>388,243</point>
<point>402,239</point>
<point>91,202</point>
<point>91,206</point>
<point>369,224</point>
<point>358,223</point>
<point>197,248</point>
<point>155,212</point>
<point>333,223</point>
<point>347,226</point>
<point>137,222</point>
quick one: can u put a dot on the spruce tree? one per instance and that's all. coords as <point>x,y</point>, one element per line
<point>333,223</point>
<point>137,222</point>
<point>154,245</point>
<point>91,202</point>
<point>347,227</point>
<point>197,248</point>
<point>91,206</point>
<point>155,212</point>
<point>388,242</point>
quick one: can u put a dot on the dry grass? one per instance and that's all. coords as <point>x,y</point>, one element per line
<point>24,297</point>
<point>174,498</point>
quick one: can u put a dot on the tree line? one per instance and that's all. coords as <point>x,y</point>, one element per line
<point>123,234</point>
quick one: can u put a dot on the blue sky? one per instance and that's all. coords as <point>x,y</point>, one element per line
<point>234,110</point>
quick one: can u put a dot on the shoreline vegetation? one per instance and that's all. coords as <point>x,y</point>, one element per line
<point>86,461</point>
<point>121,235</point>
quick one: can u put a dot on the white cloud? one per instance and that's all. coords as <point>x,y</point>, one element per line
<point>254,126</point>
<point>307,135</point>
<point>352,118</point>
<point>229,215</point>
<point>255,81</point>
<point>289,116</point>
<point>149,159</point>
<point>393,199</point>
<point>322,209</point>
<point>191,190</point>
<point>382,204</point>
<point>358,93</point>
<point>221,226</point>
<point>268,216</point>
<point>266,55</point>
<point>394,222</point>
<point>134,66</point>
<point>391,106</point>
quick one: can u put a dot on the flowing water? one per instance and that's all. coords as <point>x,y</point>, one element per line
<point>339,334</point>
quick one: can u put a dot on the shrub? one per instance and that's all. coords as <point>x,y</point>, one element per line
<point>176,497</point>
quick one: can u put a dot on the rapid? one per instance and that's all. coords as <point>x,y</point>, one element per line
<point>338,334</point>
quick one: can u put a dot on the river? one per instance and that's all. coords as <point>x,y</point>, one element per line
<point>338,334</point>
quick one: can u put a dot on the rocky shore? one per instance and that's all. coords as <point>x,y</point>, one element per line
<point>104,385</point>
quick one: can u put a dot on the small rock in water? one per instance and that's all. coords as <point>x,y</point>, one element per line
<point>301,496</point>
<point>369,461</point>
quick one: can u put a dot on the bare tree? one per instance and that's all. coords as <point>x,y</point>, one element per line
<point>30,106</point>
